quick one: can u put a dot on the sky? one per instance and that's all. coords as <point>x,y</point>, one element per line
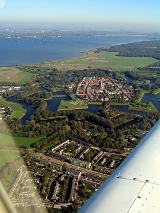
<point>127,14</point>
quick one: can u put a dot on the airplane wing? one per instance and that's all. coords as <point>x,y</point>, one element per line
<point>134,187</point>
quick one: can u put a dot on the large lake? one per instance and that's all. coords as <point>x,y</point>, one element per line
<point>35,50</point>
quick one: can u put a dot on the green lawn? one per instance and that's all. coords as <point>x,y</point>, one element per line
<point>104,60</point>
<point>9,140</point>
<point>18,110</point>
<point>73,104</point>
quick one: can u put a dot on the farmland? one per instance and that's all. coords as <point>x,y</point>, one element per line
<point>104,60</point>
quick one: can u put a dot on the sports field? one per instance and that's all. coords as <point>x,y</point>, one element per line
<point>14,75</point>
<point>104,60</point>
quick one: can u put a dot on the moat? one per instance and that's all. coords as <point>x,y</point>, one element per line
<point>54,103</point>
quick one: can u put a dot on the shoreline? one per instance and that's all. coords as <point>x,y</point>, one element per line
<point>82,52</point>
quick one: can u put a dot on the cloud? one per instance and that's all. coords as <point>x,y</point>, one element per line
<point>2,3</point>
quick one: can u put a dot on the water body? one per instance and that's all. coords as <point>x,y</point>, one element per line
<point>28,107</point>
<point>33,50</point>
<point>125,108</point>
<point>53,104</point>
<point>16,51</point>
<point>94,108</point>
<point>129,79</point>
<point>155,99</point>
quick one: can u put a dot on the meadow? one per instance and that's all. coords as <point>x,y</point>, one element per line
<point>104,60</point>
<point>14,75</point>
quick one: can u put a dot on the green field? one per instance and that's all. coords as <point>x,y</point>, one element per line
<point>119,63</point>
<point>104,60</point>
<point>18,110</point>
<point>73,104</point>
<point>14,75</point>
<point>9,140</point>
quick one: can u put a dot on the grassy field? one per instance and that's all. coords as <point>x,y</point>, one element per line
<point>104,60</point>
<point>9,140</point>
<point>18,110</point>
<point>12,74</point>
<point>73,104</point>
